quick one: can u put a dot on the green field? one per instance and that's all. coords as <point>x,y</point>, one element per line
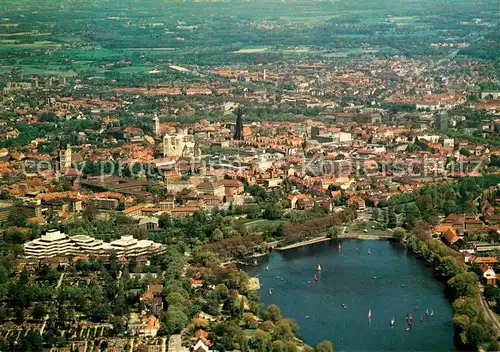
<point>42,71</point>
<point>262,225</point>
<point>152,33</point>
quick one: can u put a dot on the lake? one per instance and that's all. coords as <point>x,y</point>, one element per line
<point>390,282</point>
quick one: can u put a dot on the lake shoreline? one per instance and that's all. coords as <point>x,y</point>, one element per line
<point>353,236</point>
<point>347,277</point>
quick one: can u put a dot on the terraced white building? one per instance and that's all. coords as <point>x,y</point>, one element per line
<point>57,244</point>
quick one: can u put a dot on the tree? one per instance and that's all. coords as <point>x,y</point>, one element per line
<point>375,214</point>
<point>333,232</point>
<point>412,215</point>
<point>31,342</point>
<point>261,338</point>
<point>391,218</point>
<point>217,235</point>
<point>165,221</point>
<point>176,299</point>
<point>461,322</point>
<point>222,291</point>
<point>278,346</point>
<point>385,216</point>
<point>494,345</point>
<point>449,267</point>
<point>38,311</point>
<point>399,233</point>
<point>273,313</point>
<point>323,346</point>
<point>463,284</point>
<point>477,334</point>
<point>465,152</point>
<point>174,320</point>
<point>272,212</point>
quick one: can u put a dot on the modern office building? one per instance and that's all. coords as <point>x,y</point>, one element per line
<point>51,244</point>
<point>55,243</point>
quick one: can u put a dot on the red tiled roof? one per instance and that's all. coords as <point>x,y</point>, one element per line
<point>450,236</point>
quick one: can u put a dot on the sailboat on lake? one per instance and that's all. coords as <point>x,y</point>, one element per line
<point>369,314</point>
<point>318,268</point>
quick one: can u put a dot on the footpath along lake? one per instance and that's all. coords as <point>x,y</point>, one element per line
<point>390,282</point>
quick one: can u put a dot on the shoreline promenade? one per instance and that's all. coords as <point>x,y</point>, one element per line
<point>359,236</point>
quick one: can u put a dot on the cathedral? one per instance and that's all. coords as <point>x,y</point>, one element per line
<point>179,145</point>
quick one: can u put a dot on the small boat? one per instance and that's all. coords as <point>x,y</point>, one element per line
<point>315,277</point>
<point>344,305</point>
<point>308,282</point>
<point>318,268</point>
<point>421,318</point>
<point>277,277</point>
<point>307,317</point>
<point>370,314</point>
<point>255,262</point>
<point>408,329</point>
<point>369,252</point>
<point>427,311</point>
<point>432,313</point>
<point>410,320</point>
<point>340,246</point>
<point>267,267</point>
<point>270,292</point>
<point>374,277</point>
<point>392,321</point>
<point>282,279</point>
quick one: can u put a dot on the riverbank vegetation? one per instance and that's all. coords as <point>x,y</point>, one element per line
<point>471,328</point>
<point>242,323</point>
<point>417,212</point>
<point>430,202</point>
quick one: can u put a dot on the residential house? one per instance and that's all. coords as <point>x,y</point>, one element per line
<point>152,298</point>
<point>485,260</point>
<point>358,201</point>
<point>202,335</point>
<point>206,316</point>
<point>450,236</point>
<point>489,275</point>
<point>147,327</point>
<point>295,197</point>
<point>200,347</point>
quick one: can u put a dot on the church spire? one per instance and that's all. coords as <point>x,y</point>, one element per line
<point>238,131</point>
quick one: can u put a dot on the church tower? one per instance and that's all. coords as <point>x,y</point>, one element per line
<point>156,129</point>
<point>65,158</point>
<point>238,131</point>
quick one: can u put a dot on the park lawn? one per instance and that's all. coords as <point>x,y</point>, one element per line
<point>262,225</point>
<point>372,228</point>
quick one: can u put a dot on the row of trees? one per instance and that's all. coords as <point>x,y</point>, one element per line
<point>293,233</point>
<point>471,328</point>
